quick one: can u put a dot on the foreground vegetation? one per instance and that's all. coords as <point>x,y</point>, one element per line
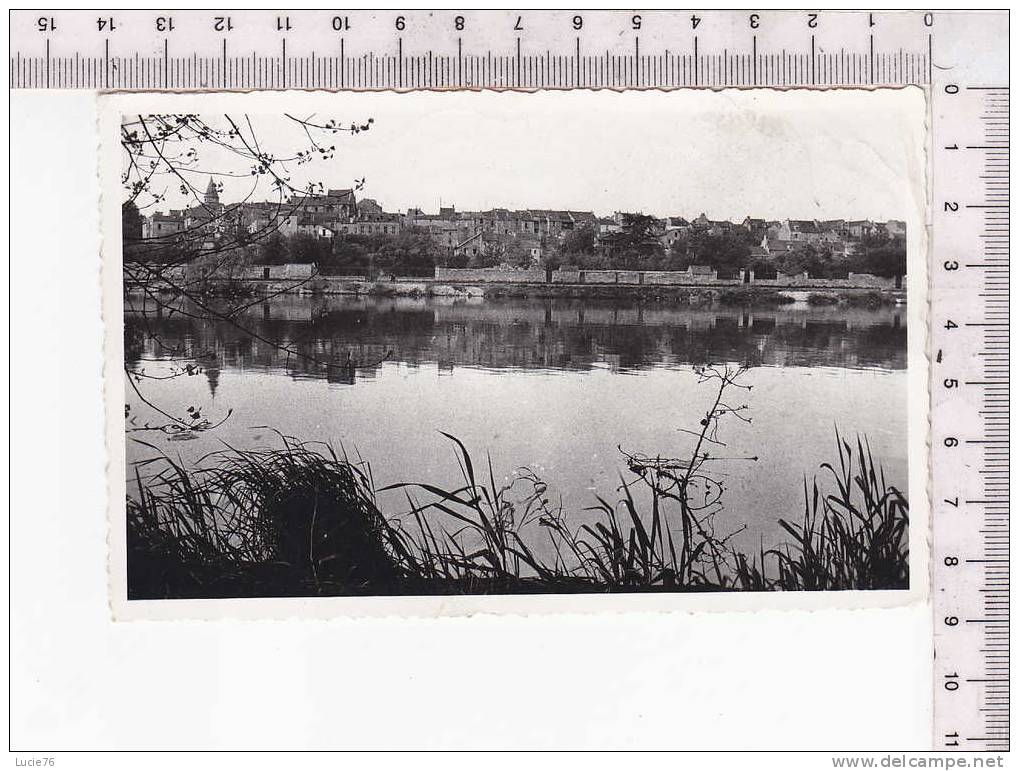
<point>300,520</point>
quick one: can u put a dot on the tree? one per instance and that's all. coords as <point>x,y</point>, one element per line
<point>553,258</point>
<point>579,241</point>
<point>486,258</point>
<point>410,253</point>
<point>636,245</point>
<point>637,235</point>
<point>518,254</point>
<point>881,255</point>
<point>806,258</point>
<point>306,249</point>
<point>456,260</point>
<point>596,261</point>
<point>723,251</point>
<point>273,250</point>
<point>131,221</point>
<point>350,254</point>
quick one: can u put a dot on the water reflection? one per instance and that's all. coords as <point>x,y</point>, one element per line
<point>344,339</point>
<point>555,385</point>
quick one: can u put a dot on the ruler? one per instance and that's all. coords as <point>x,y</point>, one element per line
<point>960,57</point>
<point>480,49</point>
<point>969,155</point>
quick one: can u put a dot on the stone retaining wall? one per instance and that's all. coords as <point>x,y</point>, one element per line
<point>490,275</point>
<point>258,273</point>
<point>672,277</point>
<point>599,277</point>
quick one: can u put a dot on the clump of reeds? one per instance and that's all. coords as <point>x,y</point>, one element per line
<point>279,521</point>
<point>856,536</point>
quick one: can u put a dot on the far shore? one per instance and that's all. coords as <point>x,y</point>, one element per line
<point>754,294</point>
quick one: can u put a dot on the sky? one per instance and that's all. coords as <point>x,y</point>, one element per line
<point>729,154</point>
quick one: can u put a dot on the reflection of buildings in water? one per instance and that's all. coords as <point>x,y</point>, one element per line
<point>550,334</point>
<point>210,364</point>
<point>343,374</point>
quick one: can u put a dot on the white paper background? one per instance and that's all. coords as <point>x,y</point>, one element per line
<point>777,679</point>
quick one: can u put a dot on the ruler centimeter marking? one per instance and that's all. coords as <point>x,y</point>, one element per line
<point>961,57</point>
<point>193,50</point>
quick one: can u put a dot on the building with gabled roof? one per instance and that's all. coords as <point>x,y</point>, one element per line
<point>777,246</point>
<point>339,204</point>
<point>804,231</point>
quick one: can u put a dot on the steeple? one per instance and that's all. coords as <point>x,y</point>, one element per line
<point>211,193</point>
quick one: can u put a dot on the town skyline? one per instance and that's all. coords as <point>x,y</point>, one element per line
<point>364,194</point>
<point>513,235</point>
<point>234,193</point>
<point>726,156</point>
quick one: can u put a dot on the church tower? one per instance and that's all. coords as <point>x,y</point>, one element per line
<point>211,194</point>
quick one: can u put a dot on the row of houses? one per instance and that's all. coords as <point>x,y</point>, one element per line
<point>777,237</point>
<point>318,215</point>
<point>338,212</point>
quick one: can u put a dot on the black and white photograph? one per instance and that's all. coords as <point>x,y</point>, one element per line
<point>523,380</point>
<point>516,344</point>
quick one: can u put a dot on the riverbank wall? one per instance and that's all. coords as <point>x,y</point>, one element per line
<point>690,277</point>
<point>302,279</point>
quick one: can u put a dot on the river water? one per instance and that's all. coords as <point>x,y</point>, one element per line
<point>558,386</point>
